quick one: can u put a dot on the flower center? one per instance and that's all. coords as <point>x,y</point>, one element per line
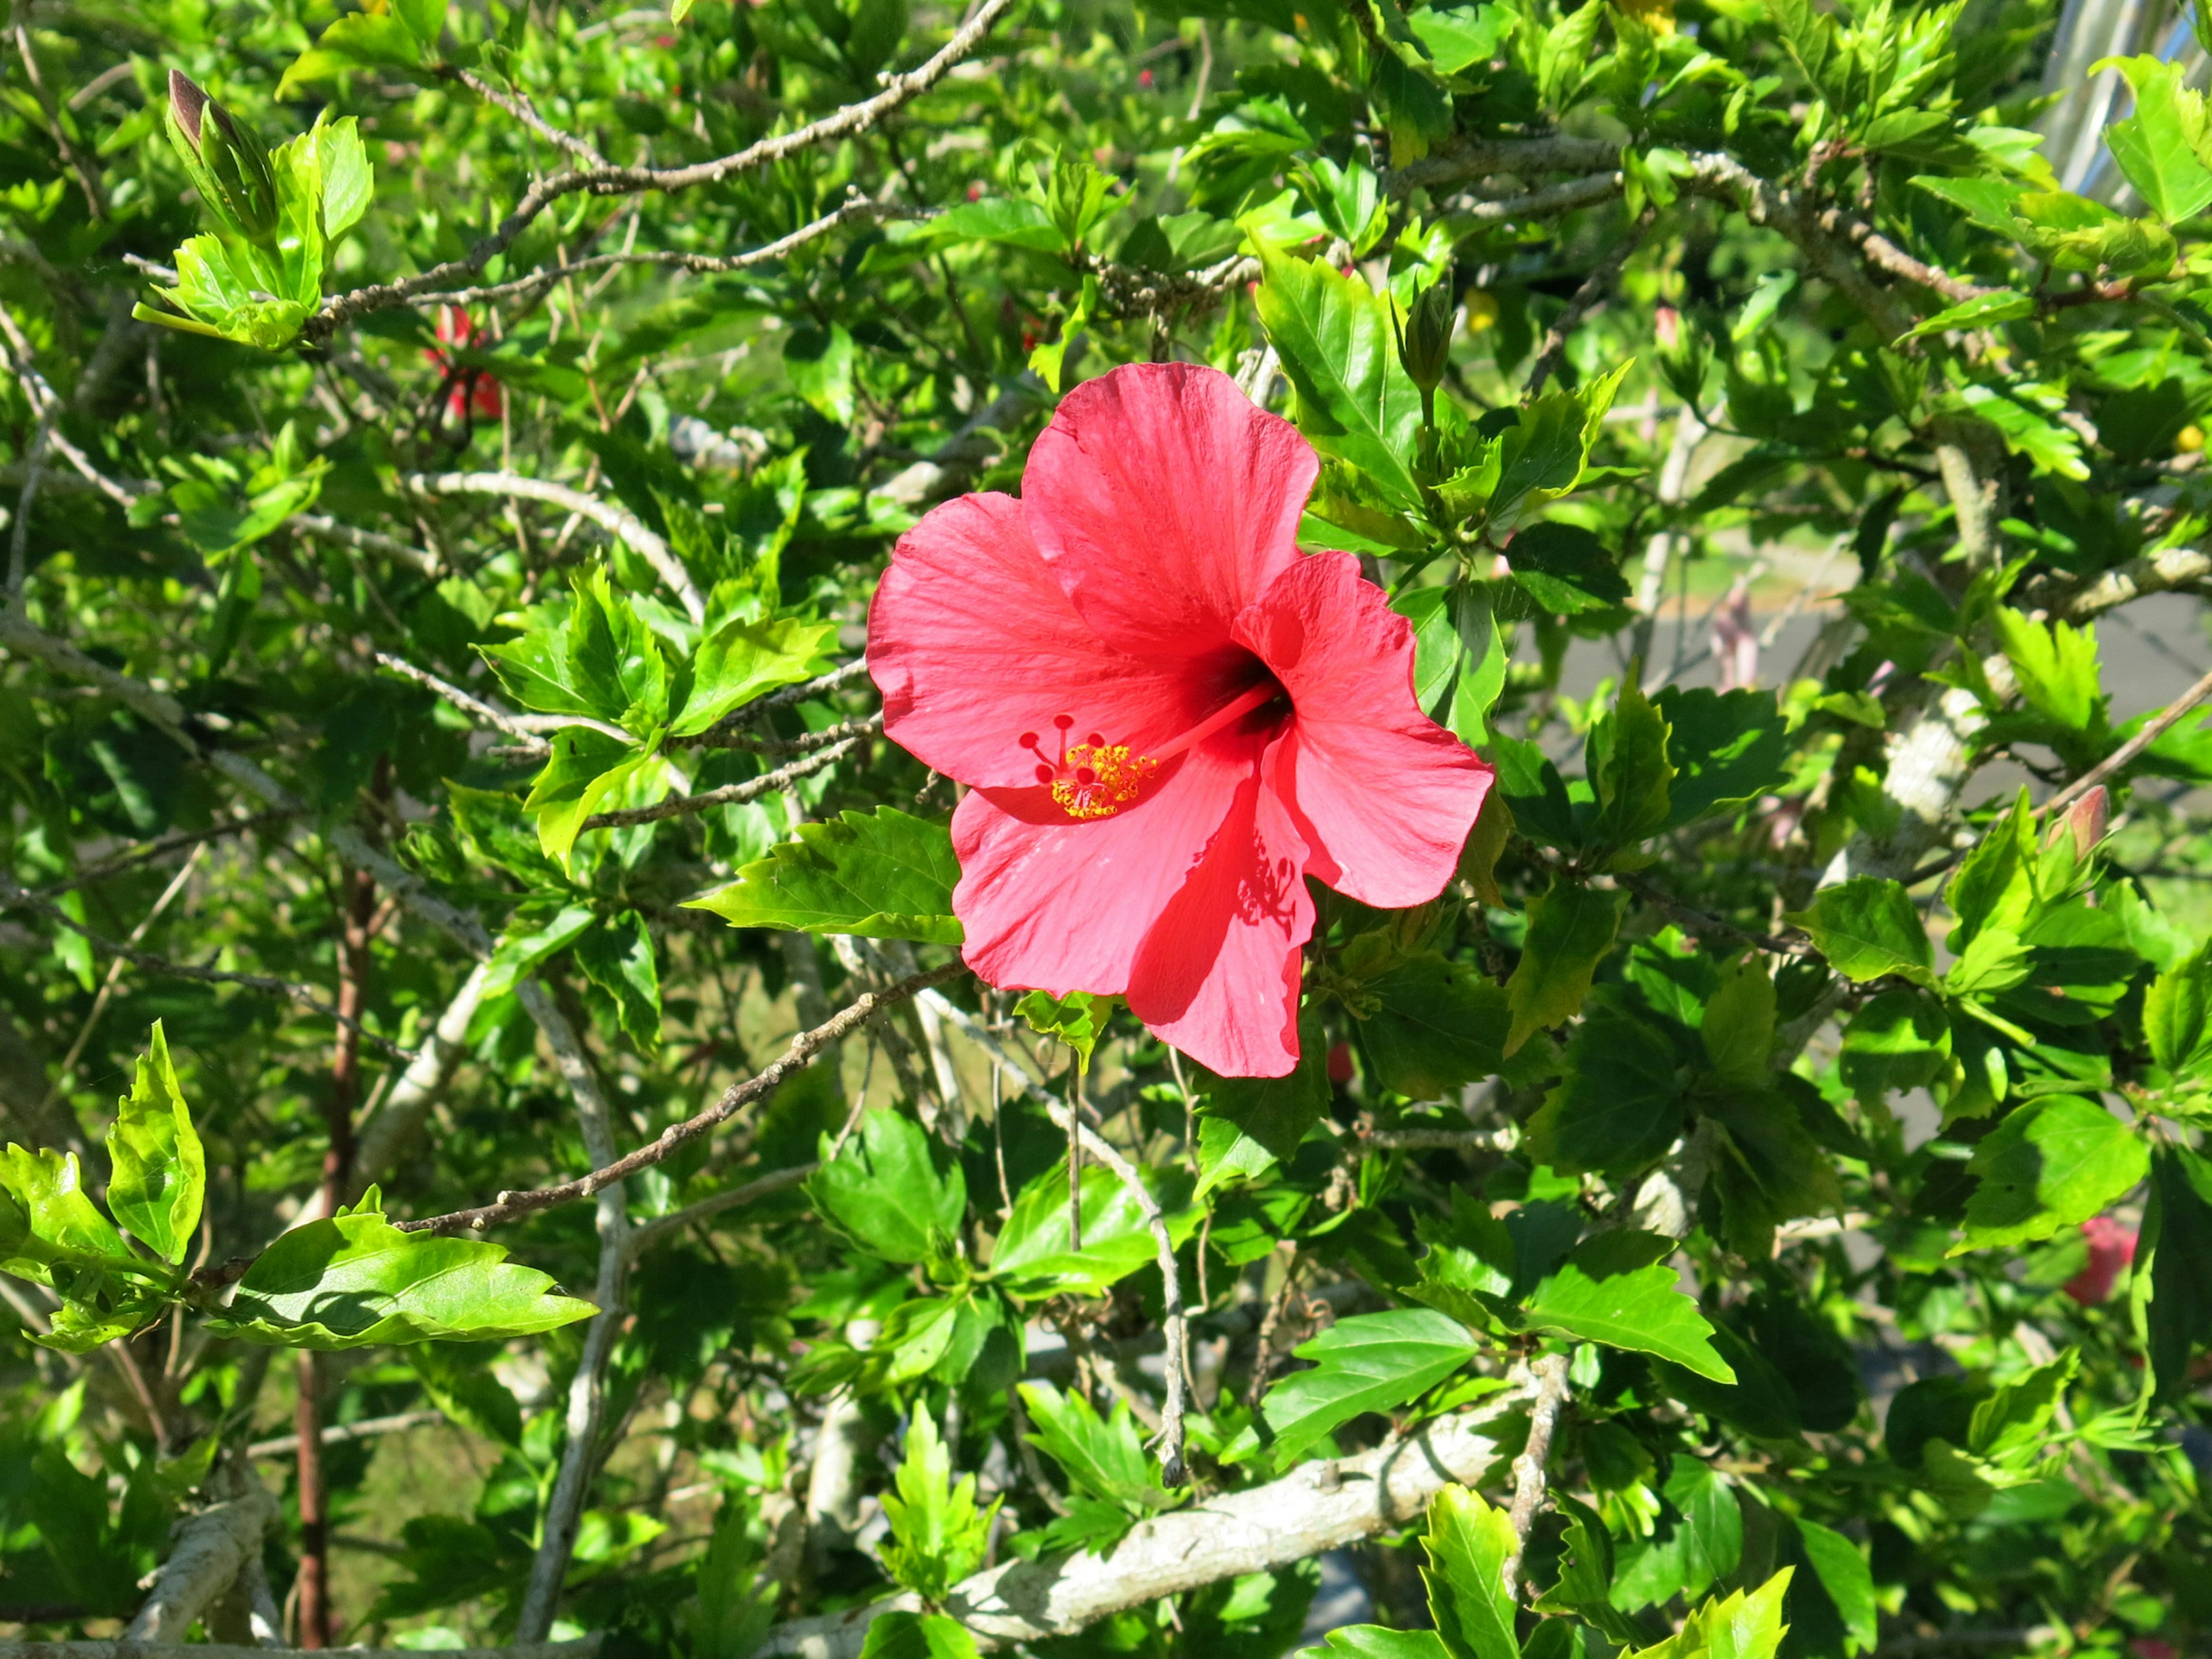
<point>1095,779</point>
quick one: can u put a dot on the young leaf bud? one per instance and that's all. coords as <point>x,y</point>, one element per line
<point>2085,821</point>
<point>227,163</point>
<point>1425,343</point>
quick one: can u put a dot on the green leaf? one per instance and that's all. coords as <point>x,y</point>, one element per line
<point>1547,455</point>
<point>1842,1568</point>
<point>742,660</point>
<point>1570,928</point>
<point>1619,1103</point>
<point>370,38</point>
<point>2053,1161</point>
<point>2171,1291</point>
<point>1996,885</point>
<point>160,1172</point>
<point>1565,568</point>
<point>1897,1040</point>
<point>1375,1642</point>
<point>1468,1543</point>
<point>2022,411</point>
<point>1738,1028</point>
<point>819,364</point>
<point>1867,927</point>
<point>1484,656</point>
<point>2177,1017</point>
<point>1032,1258</point>
<point>1437,1025</point>
<point>1356,401</point>
<point>1276,1112</point>
<point>617,957</point>
<point>588,772</point>
<point>1728,748</point>
<point>596,657</point>
<point>2161,145</point>
<point>531,938</point>
<point>1078,1019</point>
<point>348,182</point>
<point>899,1634</point>
<point>937,1531</point>
<point>1102,1458</point>
<point>1371,1362</point>
<point>1459,37</point>
<point>425,20</point>
<point>1627,751</point>
<point>2056,665</point>
<point>891,1190</point>
<point>356,1281</point>
<point>1599,1296</point>
<point>735,1607</point>
<point>880,874</point>
<point>1983,311</point>
<point>52,1222</point>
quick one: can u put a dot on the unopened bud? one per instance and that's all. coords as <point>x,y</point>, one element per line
<point>187,102</point>
<point>1425,345</point>
<point>2085,821</point>
<point>229,164</point>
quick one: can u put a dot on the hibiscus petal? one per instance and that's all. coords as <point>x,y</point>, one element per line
<point>1053,903</point>
<point>1384,795</point>
<point>973,643</point>
<point>1218,973</point>
<point>1165,503</point>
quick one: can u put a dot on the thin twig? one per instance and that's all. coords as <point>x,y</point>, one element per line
<point>1592,293</point>
<point>898,91</point>
<point>152,850</point>
<point>720,734</point>
<point>649,1233</point>
<point>1548,1372</point>
<point>2169,717</point>
<point>733,795</point>
<point>15,897</point>
<point>510,1207</point>
<point>60,1086</point>
<point>526,288</point>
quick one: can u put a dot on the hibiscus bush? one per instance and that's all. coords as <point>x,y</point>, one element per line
<point>846,829</point>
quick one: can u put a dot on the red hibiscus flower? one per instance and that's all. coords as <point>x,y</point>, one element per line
<point>468,390</point>
<point>1167,715</point>
<point>2111,1247</point>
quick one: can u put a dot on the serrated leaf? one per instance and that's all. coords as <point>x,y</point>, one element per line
<point>50,1222</point>
<point>1371,1362</point>
<point>1032,1258</point>
<point>1619,1103</point>
<point>355,1281</point>
<point>1867,927</point>
<point>159,1175</point>
<point>1103,1457</point>
<point>1726,748</point>
<point>742,660</point>
<point>1594,1298</point>
<point>1356,401</point>
<point>617,956</point>
<point>1437,1025</point>
<point>1570,928</point>
<point>1468,1543</point>
<point>881,875</point>
<point>2054,1161</point>
<point>891,1190</point>
<point>937,1529</point>
<point>2171,1291</point>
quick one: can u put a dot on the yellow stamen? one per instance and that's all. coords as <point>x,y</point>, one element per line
<point>1098,780</point>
